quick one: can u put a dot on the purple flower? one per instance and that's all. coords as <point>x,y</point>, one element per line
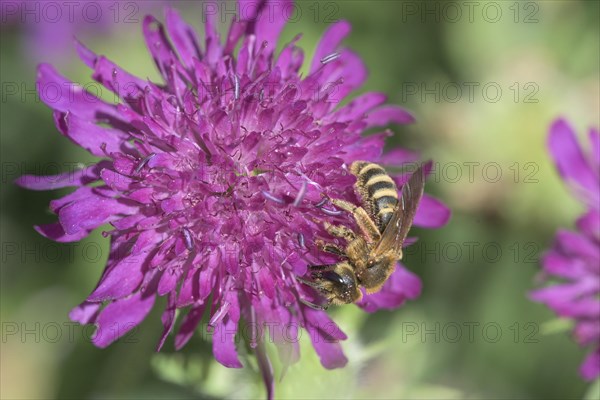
<point>213,180</point>
<point>574,259</point>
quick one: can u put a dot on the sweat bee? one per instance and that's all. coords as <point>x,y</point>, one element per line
<point>370,255</point>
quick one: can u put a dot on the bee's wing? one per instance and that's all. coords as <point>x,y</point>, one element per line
<point>397,229</point>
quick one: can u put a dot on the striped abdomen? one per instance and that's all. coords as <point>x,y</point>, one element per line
<point>377,189</point>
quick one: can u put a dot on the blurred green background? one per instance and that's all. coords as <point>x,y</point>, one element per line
<point>472,334</point>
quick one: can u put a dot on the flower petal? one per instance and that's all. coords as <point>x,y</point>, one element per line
<point>563,298</point>
<point>57,233</point>
<point>119,280</point>
<point>589,224</point>
<point>368,148</point>
<point>581,308</point>
<point>78,194</point>
<point>63,95</point>
<point>353,74</point>
<point>183,36</point>
<point>91,212</point>
<point>587,331</point>
<point>79,177</point>
<point>590,369</point>
<point>97,140</point>
<point>121,316</point>
<point>577,245</point>
<point>570,160</point>
<point>594,136</point>
<point>85,313</point>
<point>224,334</point>
<point>431,213</point>
<point>390,114</point>
<point>128,87</point>
<point>168,319</point>
<point>272,17</point>
<point>290,59</point>
<point>325,336</point>
<point>558,264</point>
<point>189,325</point>
<point>402,285</point>
<point>266,369</point>
<point>159,46</point>
<point>212,38</point>
<point>359,107</point>
<point>329,42</point>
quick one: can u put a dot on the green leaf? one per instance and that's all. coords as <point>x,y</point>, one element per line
<point>554,326</point>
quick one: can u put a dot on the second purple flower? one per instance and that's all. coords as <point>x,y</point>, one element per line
<point>574,259</point>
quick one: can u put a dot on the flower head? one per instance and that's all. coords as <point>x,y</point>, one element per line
<point>574,259</point>
<point>213,179</point>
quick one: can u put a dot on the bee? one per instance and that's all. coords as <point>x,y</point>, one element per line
<point>370,255</point>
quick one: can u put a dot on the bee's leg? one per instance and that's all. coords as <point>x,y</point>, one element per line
<point>340,231</point>
<point>365,223</point>
<point>315,306</point>
<point>317,287</point>
<point>321,268</point>
<point>307,282</point>
<point>330,248</point>
<point>344,205</point>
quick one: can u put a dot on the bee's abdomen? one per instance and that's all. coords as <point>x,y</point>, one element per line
<point>377,190</point>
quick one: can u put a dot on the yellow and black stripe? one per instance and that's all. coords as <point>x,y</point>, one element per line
<point>377,189</point>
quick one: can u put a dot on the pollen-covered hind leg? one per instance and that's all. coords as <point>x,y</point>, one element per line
<point>330,248</point>
<point>340,231</point>
<point>344,205</point>
<point>364,222</point>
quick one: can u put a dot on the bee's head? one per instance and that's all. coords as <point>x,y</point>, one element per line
<point>340,285</point>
